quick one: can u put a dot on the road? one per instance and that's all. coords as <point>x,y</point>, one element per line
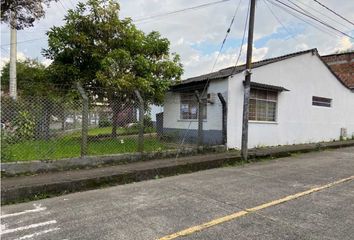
<point>252,201</point>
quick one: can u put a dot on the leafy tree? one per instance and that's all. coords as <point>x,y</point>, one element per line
<point>26,11</point>
<point>36,89</point>
<point>98,49</point>
<point>32,78</point>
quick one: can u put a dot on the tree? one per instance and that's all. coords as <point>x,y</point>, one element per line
<point>37,94</point>
<point>26,11</point>
<point>32,78</point>
<point>98,49</point>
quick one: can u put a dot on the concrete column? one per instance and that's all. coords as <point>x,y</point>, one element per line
<point>13,59</point>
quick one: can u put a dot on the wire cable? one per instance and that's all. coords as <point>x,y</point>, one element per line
<point>313,24</point>
<point>141,19</point>
<point>62,5</point>
<point>222,46</point>
<point>304,10</point>
<point>313,18</point>
<point>332,11</point>
<point>243,38</point>
<point>25,41</point>
<point>5,51</point>
<point>179,11</point>
<point>325,15</point>
<point>280,22</point>
<point>212,69</point>
<point>226,36</point>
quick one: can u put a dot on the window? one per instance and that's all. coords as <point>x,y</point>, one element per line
<point>189,106</point>
<point>263,105</point>
<point>321,101</point>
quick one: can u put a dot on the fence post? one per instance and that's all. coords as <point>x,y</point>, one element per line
<point>85,111</point>
<point>200,119</point>
<point>141,122</point>
<point>224,118</point>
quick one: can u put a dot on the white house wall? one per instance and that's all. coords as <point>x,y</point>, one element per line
<point>298,121</point>
<point>212,126</point>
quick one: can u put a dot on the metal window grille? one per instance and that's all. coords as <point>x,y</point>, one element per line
<point>263,105</point>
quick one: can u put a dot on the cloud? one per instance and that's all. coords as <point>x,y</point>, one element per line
<point>4,60</point>
<point>344,43</point>
<point>46,62</point>
<point>207,27</point>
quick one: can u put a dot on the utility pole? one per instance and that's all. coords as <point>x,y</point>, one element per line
<point>247,85</point>
<point>13,57</point>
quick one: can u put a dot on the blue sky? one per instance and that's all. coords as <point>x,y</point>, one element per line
<point>197,35</point>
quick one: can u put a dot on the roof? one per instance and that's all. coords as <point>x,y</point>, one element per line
<point>267,87</point>
<point>338,54</point>
<point>342,65</point>
<point>199,81</point>
<point>226,72</point>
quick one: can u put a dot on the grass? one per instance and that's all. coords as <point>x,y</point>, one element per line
<point>108,130</point>
<point>69,146</point>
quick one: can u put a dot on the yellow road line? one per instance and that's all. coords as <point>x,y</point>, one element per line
<point>235,215</point>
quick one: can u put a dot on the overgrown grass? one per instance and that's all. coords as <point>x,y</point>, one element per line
<point>69,145</point>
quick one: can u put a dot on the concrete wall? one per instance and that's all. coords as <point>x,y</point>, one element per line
<point>297,120</point>
<point>212,126</point>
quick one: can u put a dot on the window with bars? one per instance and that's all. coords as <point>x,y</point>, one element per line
<point>321,101</point>
<point>263,105</point>
<point>189,106</point>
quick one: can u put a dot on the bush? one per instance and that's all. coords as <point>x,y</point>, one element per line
<point>6,154</point>
<point>148,121</point>
<point>104,122</point>
<point>24,125</point>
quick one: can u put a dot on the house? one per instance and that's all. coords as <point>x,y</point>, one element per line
<point>295,98</point>
<point>342,64</point>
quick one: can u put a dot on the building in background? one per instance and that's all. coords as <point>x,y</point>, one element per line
<point>295,98</point>
<point>342,64</point>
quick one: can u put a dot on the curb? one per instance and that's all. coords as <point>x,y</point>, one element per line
<point>141,171</point>
<point>13,195</point>
<point>12,169</point>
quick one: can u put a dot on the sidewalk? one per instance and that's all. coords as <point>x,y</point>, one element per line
<point>21,188</point>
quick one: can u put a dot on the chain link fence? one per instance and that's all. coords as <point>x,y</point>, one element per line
<point>48,128</point>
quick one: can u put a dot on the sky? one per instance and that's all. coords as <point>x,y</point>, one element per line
<point>196,35</point>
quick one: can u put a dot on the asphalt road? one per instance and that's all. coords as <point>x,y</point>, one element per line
<point>156,208</point>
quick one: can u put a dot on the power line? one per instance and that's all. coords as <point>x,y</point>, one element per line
<point>212,69</point>
<point>332,11</point>
<point>279,21</point>
<point>179,11</point>
<point>62,5</point>
<point>141,19</point>
<point>243,37</point>
<point>313,24</point>
<point>325,15</point>
<point>317,20</point>
<point>5,50</point>
<point>226,35</point>
<point>304,10</point>
<point>314,17</point>
<point>25,41</point>
<point>222,45</point>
